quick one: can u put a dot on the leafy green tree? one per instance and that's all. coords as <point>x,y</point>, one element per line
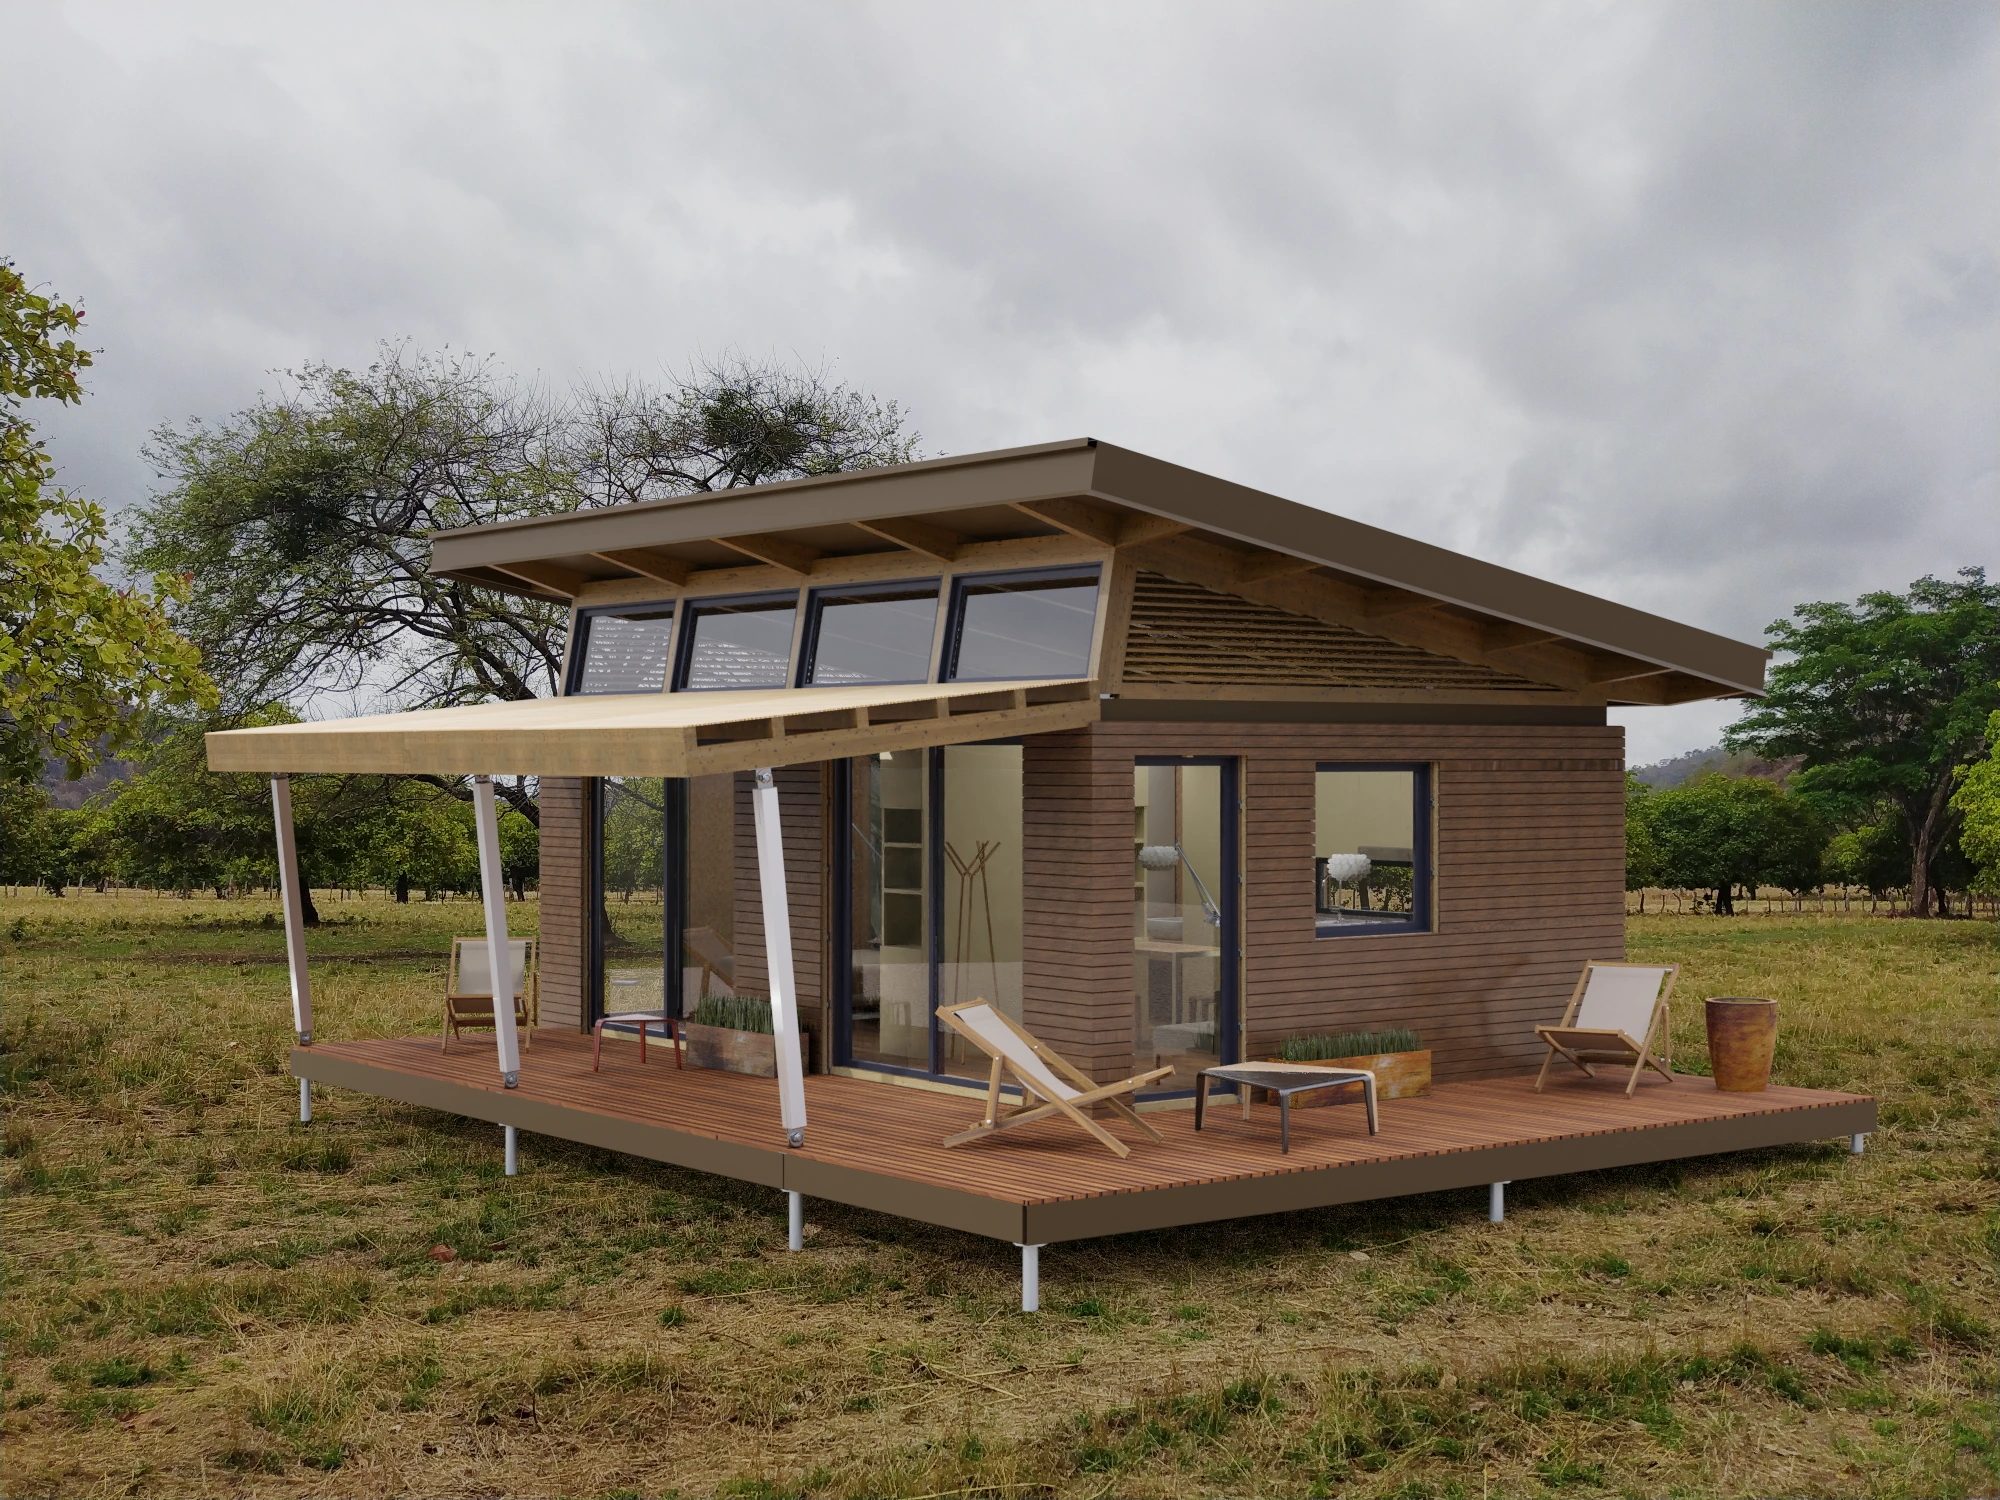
<point>1719,832</point>
<point>1977,802</point>
<point>80,657</point>
<point>1874,856</point>
<point>520,852</point>
<point>303,522</point>
<point>1642,855</point>
<point>1887,699</point>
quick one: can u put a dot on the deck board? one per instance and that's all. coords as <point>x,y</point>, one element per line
<point>877,1145</point>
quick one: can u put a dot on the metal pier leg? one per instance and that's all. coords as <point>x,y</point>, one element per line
<point>306,1106</point>
<point>1855,1144</point>
<point>1031,1278</point>
<point>513,1150</point>
<point>1496,1202</point>
<point>797,1206</point>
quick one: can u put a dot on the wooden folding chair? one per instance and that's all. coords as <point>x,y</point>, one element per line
<point>1042,1075</point>
<point>1612,1017</point>
<point>468,989</point>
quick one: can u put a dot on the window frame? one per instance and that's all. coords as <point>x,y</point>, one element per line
<point>815,600</point>
<point>1422,920</point>
<point>954,630</point>
<point>684,636</point>
<point>578,652</point>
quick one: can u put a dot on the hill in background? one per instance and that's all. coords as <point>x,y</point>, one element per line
<point>1670,773</point>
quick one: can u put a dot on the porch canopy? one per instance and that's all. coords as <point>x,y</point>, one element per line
<point>639,734</point>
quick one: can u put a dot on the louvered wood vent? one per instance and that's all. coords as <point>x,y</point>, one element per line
<point>1184,633</point>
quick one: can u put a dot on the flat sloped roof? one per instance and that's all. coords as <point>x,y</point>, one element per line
<point>1174,519</point>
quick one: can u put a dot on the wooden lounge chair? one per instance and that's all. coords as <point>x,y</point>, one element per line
<point>1041,1075</point>
<point>468,989</point>
<point>706,947</point>
<point>1612,1017</point>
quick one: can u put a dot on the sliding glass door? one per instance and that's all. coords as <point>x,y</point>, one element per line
<point>929,909</point>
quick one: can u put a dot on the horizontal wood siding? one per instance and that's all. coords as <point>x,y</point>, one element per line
<point>801,803</point>
<point>1076,852</point>
<point>1530,839</point>
<point>564,902</point>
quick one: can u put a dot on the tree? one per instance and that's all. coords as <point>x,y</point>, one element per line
<point>80,657</point>
<point>1719,832</point>
<point>1977,802</point>
<point>304,520</point>
<point>1642,856</point>
<point>1886,699</point>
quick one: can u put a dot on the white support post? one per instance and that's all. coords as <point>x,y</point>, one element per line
<point>493,888</point>
<point>305,1101</point>
<point>796,1214</point>
<point>513,1150</point>
<point>1031,1278</point>
<point>778,957</point>
<point>289,891</point>
<point>1855,1144</point>
<point>1496,1203</point>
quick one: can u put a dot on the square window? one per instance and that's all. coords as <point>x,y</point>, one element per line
<point>623,649</point>
<point>1008,626</point>
<point>870,634</point>
<point>1371,849</point>
<point>738,643</point>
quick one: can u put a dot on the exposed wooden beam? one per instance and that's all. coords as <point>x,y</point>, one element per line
<point>1258,566</point>
<point>662,567</point>
<point>1075,518</point>
<point>565,581</point>
<point>916,536</point>
<point>778,551</point>
<point>1622,669</point>
<point>1385,603</point>
<point>1508,636</point>
<point>1138,528</point>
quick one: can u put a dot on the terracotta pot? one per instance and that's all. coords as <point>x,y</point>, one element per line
<point>1742,1034</point>
<point>1398,1075</point>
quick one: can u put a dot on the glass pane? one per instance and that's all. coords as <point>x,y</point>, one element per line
<point>745,645</point>
<point>1033,627</point>
<point>1177,972</point>
<point>1364,848</point>
<point>626,653</point>
<point>890,984</point>
<point>708,940</point>
<point>982,889</point>
<point>873,637</point>
<point>634,918</point>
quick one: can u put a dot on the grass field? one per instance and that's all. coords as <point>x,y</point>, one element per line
<point>202,1296</point>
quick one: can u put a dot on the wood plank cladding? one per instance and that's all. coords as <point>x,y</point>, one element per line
<point>1529,836</point>
<point>565,881</point>
<point>1183,633</point>
<point>1076,916</point>
<point>801,802</point>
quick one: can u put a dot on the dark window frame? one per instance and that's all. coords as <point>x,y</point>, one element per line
<point>684,634</point>
<point>815,601</point>
<point>954,630</point>
<point>1423,868</point>
<point>579,643</point>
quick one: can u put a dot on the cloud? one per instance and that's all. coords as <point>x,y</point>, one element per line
<point>1691,305</point>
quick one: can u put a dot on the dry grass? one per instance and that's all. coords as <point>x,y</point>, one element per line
<point>201,1296</point>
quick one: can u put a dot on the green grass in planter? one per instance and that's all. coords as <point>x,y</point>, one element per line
<point>736,1012</point>
<point>1349,1044</point>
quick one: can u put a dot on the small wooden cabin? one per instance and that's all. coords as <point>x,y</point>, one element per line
<point>1171,768</point>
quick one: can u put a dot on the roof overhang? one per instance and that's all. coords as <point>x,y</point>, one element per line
<point>1163,517</point>
<point>660,734</point>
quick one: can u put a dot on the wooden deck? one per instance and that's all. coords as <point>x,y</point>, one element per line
<point>876,1146</point>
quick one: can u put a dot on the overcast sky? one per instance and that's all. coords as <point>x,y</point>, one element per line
<point>1694,306</point>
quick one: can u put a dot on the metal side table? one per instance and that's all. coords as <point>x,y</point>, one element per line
<point>1285,1080</point>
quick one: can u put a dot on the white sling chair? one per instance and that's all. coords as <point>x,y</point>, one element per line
<point>1612,1017</point>
<point>1041,1075</point>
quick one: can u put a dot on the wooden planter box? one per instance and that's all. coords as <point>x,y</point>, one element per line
<point>1398,1075</point>
<point>752,1052</point>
